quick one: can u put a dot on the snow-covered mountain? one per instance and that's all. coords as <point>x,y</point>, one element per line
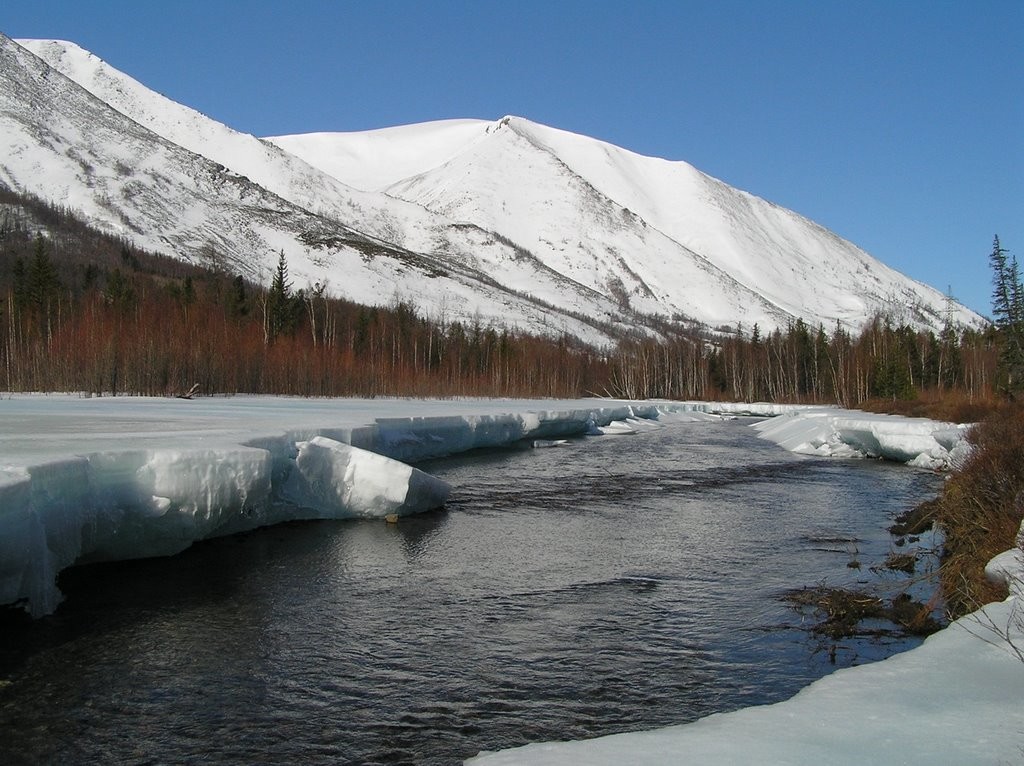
<point>658,233</point>
<point>506,221</point>
<point>178,183</point>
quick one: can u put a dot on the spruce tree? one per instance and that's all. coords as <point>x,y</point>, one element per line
<point>119,292</point>
<point>238,301</point>
<point>1008,313</point>
<point>43,287</point>
<point>43,282</point>
<point>1001,298</point>
<point>282,309</point>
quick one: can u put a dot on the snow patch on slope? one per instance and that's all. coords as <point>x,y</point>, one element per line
<point>375,159</point>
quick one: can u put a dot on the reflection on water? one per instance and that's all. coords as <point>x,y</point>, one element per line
<point>613,584</point>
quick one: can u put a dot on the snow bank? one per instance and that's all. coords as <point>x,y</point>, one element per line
<point>97,480</point>
<point>851,433</point>
<point>954,699</point>
<point>746,409</point>
<point>1008,568</point>
<point>336,480</point>
<point>113,506</point>
<point>86,480</point>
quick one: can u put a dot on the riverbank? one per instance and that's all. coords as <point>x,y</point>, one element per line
<point>923,697</point>
<point>954,699</point>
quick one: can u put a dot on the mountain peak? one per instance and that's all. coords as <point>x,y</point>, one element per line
<point>510,120</point>
<point>65,47</point>
<point>510,220</point>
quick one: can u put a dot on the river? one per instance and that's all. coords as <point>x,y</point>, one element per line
<point>609,584</point>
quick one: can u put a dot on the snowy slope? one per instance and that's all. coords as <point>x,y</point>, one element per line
<point>62,144</point>
<point>590,202</point>
<point>176,182</point>
<point>376,159</point>
<point>508,221</point>
<point>792,261</point>
<point>504,183</point>
<point>400,223</point>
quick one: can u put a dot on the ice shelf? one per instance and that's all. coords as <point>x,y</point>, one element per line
<point>831,432</point>
<point>99,479</point>
<point>85,480</point>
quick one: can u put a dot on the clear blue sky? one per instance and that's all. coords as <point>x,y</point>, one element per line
<point>898,124</point>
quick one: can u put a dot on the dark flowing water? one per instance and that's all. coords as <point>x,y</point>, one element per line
<point>613,584</point>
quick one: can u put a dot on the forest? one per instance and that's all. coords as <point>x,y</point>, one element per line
<point>87,312</point>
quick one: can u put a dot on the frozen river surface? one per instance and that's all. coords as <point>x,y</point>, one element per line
<point>612,584</point>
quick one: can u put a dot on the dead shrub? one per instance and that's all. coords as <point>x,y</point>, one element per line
<point>947,406</point>
<point>844,613</point>
<point>901,562</point>
<point>981,508</point>
<point>915,521</point>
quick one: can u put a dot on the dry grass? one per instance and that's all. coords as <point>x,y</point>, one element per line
<point>952,407</point>
<point>981,508</point>
<point>901,562</point>
<point>844,613</point>
<point>917,520</point>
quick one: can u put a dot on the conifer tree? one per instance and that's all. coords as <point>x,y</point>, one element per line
<point>1001,285</point>
<point>43,283</point>
<point>19,279</point>
<point>1008,312</point>
<point>238,301</point>
<point>282,308</point>
<point>43,287</point>
<point>119,292</point>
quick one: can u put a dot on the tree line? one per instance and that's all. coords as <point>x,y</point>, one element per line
<point>800,364</point>
<point>130,327</point>
<point>116,320</point>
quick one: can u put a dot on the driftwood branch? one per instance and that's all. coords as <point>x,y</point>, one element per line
<point>190,393</point>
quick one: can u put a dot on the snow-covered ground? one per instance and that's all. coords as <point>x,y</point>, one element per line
<point>89,479</point>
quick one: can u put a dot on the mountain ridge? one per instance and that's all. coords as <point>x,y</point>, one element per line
<point>245,228</point>
<point>593,237</point>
